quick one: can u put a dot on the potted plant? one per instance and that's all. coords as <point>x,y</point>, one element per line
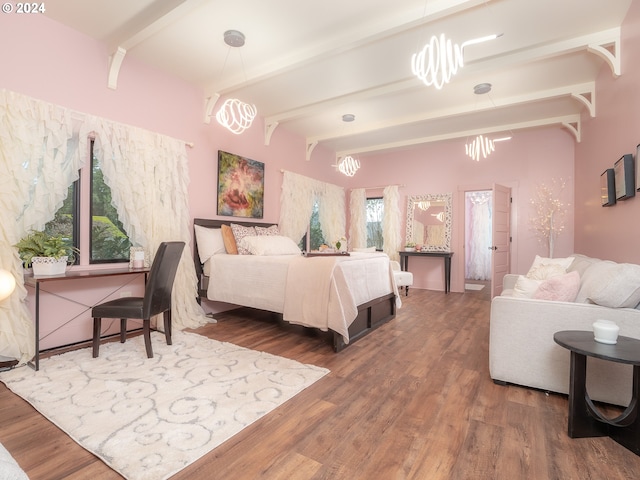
<point>46,254</point>
<point>410,247</point>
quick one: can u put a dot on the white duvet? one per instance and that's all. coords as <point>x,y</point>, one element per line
<point>320,292</point>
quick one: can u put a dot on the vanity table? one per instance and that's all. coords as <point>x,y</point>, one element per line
<point>429,225</point>
<point>404,264</point>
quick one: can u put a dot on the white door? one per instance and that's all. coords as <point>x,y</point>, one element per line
<point>501,237</point>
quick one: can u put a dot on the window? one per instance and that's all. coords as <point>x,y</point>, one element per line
<point>375,212</point>
<point>107,241</point>
<point>314,234</point>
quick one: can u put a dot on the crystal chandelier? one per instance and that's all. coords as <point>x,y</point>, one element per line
<point>440,59</point>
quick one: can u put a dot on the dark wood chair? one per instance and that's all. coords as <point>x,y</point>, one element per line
<point>156,300</point>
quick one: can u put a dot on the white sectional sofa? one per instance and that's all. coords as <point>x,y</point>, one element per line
<point>521,346</point>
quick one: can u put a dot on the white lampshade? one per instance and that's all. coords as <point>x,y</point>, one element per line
<point>7,284</point>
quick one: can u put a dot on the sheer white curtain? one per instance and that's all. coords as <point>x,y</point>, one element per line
<point>42,147</point>
<point>148,176</point>
<point>391,235</point>
<point>478,235</point>
<point>332,214</point>
<point>358,220</point>
<point>296,206</point>
<point>41,150</point>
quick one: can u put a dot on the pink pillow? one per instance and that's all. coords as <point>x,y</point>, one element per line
<point>561,288</point>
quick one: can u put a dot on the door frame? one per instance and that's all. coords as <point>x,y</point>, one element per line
<point>458,273</point>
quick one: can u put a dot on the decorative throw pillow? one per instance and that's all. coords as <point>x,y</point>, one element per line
<point>267,231</point>
<point>229,240</point>
<point>239,232</point>
<point>565,263</point>
<point>582,263</point>
<point>270,245</point>
<point>562,288</point>
<point>545,271</point>
<point>209,241</point>
<point>525,287</point>
<point>611,284</point>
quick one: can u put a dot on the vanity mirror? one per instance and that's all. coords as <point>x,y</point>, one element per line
<point>429,221</point>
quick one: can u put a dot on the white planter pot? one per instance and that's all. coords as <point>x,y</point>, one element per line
<point>49,266</point>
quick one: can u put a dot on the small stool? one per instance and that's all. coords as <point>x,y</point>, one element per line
<point>403,279</point>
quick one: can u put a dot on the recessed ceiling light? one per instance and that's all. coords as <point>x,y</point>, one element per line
<point>348,117</point>
<point>234,38</point>
<point>482,88</point>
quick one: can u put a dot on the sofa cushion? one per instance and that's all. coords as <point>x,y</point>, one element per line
<point>562,288</point>
<point>611,284</point>
<point>581,263</point>
<point>525,287</point>
<point>545,271</point>
<point>563,263</point>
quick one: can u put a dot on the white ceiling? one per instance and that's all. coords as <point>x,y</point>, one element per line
<point>306,63</point>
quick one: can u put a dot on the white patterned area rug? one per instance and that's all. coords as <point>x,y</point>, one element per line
<point>148,418</point>
<point>473,286</point>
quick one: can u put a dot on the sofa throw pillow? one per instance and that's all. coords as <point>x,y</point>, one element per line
<point>525,287</point>
<point>229,240</point>
<point>209,241</point>
<point>268,231</point>
<point>270,245</point>
<point>564,263</point>
<point>239,232</point>
<point>545,271</point>
<point>561,288</point>
<point>611,284</point>
<point>581,263</point>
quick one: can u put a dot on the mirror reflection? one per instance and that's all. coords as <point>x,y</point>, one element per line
<point>429,222</point>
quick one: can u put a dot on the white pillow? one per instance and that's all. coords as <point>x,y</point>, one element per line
<point>526,287</point>
<point>563,262</point>
<point>610,284</point>
<point>365,250</point>
<point>270,245</point>
<point>545,271</point>
<point>209,242</point>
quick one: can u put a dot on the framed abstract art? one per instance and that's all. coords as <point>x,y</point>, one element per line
<point>240,186</point>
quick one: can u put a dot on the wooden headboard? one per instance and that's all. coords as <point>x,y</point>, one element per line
<point>213,223</point>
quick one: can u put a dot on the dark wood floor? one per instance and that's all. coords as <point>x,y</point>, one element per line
<point>413,400</point>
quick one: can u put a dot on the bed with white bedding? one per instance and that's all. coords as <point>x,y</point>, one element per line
<point>346,295</point>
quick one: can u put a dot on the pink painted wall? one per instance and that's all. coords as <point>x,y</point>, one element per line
<point>611,232</point>
<point>526,161</point>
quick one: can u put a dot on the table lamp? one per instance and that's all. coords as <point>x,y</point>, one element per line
<point>7,284</point>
